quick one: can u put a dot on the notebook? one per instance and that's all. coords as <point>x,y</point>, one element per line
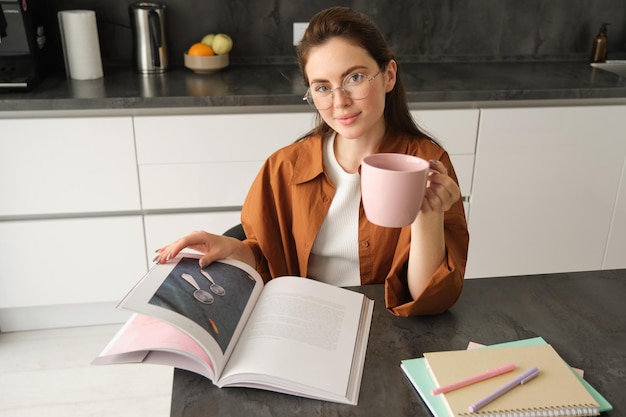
<point>416,371</point>
<point>419,376</point>
<point>555,388</point>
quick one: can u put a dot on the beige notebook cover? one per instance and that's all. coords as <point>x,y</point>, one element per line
<point>555,388</point>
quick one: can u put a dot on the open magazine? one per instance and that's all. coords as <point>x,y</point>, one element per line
<point>292,335</point>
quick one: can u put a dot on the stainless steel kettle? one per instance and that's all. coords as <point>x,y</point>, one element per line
<point>147,22</point>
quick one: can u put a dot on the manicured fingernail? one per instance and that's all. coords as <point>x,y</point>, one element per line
<point>203,263</point>
<point>157,259</point>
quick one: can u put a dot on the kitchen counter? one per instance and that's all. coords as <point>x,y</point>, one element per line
<point>245,87</point>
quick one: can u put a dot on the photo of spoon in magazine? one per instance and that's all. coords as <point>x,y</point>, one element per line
<point>216,288</point>
<point>199,294</point>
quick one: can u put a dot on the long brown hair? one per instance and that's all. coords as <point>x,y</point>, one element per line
<point>360,30</point>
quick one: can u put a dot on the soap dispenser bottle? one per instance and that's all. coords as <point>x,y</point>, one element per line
<point>600,43</point>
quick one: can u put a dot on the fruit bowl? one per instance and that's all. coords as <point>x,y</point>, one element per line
<point>206,64</point>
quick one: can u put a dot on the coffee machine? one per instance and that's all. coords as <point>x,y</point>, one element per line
<point>27,38</point>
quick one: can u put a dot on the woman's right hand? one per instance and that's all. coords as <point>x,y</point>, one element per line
<point>211,246</point>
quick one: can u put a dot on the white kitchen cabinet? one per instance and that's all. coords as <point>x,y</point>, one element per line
<point>71,232</point>
<point>455,130</point>
<point>192,161</point>
<point>544,190</point>
<point>47,264</point>
<point>67,165</point>
<point>86,201</point>
<point>615,257</point>
<point>204,162</point>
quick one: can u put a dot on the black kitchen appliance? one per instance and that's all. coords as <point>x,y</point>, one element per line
<point>27,33</point>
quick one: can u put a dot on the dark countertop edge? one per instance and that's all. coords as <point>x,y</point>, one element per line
<point>460,85</point>
<point>97,111</point>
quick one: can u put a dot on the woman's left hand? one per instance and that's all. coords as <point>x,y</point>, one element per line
<point>441,191</point>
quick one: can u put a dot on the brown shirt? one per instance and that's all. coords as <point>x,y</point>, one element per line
<point>290,197</point>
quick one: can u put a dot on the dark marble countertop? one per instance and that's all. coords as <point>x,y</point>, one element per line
<point>249,86</point>
<point>581,314</point>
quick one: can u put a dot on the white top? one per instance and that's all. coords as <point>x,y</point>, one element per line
<point>335,254</point>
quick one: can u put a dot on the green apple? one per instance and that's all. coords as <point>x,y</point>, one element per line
<point>222,44</point>
<point>208,39</point>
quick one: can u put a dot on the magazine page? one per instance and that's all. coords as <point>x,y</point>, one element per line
<point>210,305</point>
<point>144,339</point>
<point>305,338</point>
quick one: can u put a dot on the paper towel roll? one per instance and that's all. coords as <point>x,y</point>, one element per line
<point>81,46</point>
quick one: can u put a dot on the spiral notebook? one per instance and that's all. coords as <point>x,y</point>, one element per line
<point>555,388</point>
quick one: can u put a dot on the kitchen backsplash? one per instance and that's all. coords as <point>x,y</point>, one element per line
<point>418,30</point>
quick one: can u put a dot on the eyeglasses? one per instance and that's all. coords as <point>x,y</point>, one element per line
<point>356,86</point>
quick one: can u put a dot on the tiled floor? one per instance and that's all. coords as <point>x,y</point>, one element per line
<point>48,373</point>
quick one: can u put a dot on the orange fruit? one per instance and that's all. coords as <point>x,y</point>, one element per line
<point>200,49</point>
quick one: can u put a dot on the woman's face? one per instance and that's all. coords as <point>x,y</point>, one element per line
<point>328,65</point>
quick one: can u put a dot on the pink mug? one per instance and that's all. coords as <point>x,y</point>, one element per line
<point>392,188</point>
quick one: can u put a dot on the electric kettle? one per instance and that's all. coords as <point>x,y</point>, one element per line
<point>147,22</point>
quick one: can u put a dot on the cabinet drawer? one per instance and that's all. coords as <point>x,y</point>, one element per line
<point>208,160</point>
<point>216,138</point>
<point>213,184</point>
<point>67,165</point>
<point>454,129</point>
<point>70,261</point>
<point>162,229</point>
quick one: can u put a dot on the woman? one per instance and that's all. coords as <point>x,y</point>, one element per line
<point>303,214</point>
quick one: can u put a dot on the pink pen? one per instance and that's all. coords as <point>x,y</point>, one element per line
<point>474,379</point>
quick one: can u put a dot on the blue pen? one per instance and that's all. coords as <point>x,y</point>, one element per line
<point>519,380</point>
